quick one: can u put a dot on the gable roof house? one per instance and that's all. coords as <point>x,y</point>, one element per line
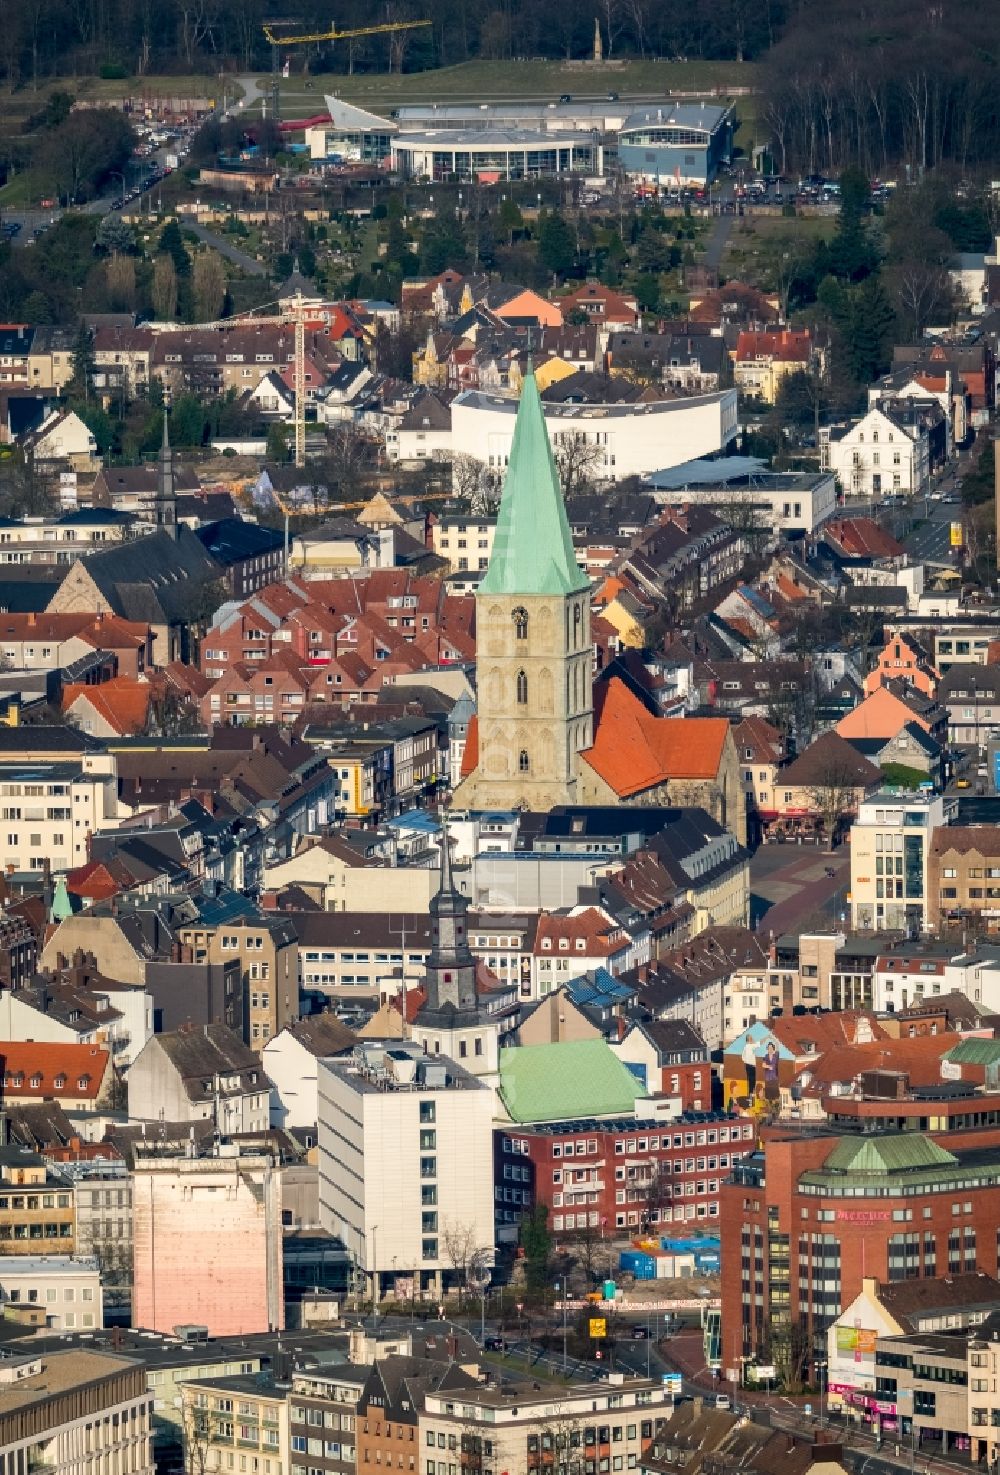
<point>78,1077</point>
<point>823,787</point>
<point>196,1074</point>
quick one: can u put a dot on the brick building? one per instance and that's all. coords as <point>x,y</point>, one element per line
<point>963,877</point>
<point>322,1419</point>
<point>805,1218</point>
<point>624,1173</point>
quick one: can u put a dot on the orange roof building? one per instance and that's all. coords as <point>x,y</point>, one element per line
<point>637,757</point>
<point>77,1076</point>
<point>116,708</point>
<point>880,715</point>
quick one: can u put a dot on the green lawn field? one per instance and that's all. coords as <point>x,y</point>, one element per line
<point>487,81</point>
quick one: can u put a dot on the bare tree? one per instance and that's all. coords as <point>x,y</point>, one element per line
<point>209,285</point>
<point>659,1194</point>
<point>833,795</point>
<point>119,275</point>
<point>478,485</point>
<point>196,1428</point>
<point>164,290</point>
<point>577,462</point>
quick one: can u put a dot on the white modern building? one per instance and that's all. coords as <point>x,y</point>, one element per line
<point>495,154</point>
<point>879,454</point>
<point>60,1292</point>
<point>405,1161</point>
<point>787,501</point>
<point>628,439</point>
<point>48,811</point>
<point>890,843</point>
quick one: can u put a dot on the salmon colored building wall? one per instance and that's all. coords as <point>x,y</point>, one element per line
<point>207,1245</point>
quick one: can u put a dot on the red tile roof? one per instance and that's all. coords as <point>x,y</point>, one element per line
<point>121,702</point>
<point>598,933</point>
<point>634,751</point>
<point>48,1063</point>
<point>860,537</point>
<point>787,345</point>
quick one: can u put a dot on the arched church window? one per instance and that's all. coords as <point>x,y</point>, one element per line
<point>520,618</point>
<point>522,689</point>
<point>523,763</point>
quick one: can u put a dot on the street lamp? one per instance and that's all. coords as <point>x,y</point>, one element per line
<point>375,1272</point>
<point>564,1288</point>
<point>821,1373</point>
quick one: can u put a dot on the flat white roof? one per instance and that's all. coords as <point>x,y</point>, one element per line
<point>47,1265</point>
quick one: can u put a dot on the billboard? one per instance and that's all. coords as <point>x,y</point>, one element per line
<point>598,1327</point>
<point>956,535</point>
<point>856,1339</point>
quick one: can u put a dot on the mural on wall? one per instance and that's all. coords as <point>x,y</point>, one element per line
<point>756,1067</point>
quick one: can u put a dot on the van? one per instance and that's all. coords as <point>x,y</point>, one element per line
<point>722,1400</point>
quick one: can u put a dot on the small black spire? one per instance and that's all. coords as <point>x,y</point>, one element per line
<point>166,492</point>
<point>451,964</point>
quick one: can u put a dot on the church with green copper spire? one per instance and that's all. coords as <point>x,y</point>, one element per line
<point>533,548</point>
<point>534,705</point>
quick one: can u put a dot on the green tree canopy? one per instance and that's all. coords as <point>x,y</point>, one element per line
<point>556,244</point>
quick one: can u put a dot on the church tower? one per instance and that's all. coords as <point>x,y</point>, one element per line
<point>450,976</point>
<point>166,493</point>
<point>533,650</point>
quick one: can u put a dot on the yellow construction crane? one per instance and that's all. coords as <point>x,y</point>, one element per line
<point>318,37</point>
<point>276,41</point>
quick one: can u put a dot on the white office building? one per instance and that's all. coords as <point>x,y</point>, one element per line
<point>405,1161</point>
<point>629,439</point>
<point>60,1292</point>
<point>890,841</point>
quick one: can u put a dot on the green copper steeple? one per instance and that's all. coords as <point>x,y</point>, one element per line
<point>533,549</point>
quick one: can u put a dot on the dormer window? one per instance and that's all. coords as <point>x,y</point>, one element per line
<point>35,1082</point>
<point>60,1082</point>
<point>83,1082</point>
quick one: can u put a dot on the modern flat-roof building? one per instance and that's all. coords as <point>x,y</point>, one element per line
<point>62,1292</point>
<point>492,154</point>
<point>405,1157</point>
<point>351,134</point>
<point>207,1237</point>
<point>74,1410</point>
<point>792,501</point>
<point>677,144</point>
<point>632,439</point>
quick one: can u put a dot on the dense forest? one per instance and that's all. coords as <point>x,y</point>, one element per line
<point>884,84</point>
<point>881,84</point>
<point>40,38</point>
